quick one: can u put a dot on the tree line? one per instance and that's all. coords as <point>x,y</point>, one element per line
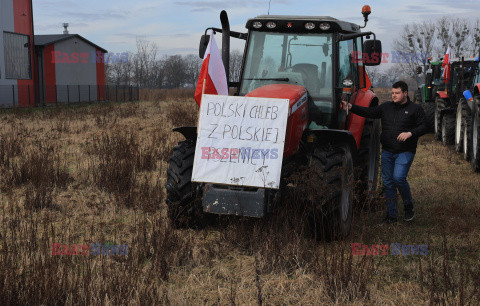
<point>147,69</point>
<point>416,41</point>
<point>432,38</point>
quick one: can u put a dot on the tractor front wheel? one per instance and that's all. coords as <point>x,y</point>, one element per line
<point>332,213</point>
<point>439,105</point>
<point>429,109</point>
<point>475,156</point>
<point>448,129</point>
<point>467,133</point>
<point>459,127</point>
<point>183,197</point>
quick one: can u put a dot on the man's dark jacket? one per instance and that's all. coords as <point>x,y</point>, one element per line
<point>396,119</point>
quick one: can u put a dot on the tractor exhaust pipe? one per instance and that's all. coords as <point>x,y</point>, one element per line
<point>225,43</point>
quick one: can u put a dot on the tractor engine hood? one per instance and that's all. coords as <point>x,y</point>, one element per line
<point>297,114</point>
<point>294,93</point>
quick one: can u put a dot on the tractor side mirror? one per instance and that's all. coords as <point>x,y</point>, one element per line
<point>373,48</point>
<point>203,45</point>
<point>419,70</point>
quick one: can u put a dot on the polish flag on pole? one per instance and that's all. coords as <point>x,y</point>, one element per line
<point>212,79</point>
<point>446,66</point>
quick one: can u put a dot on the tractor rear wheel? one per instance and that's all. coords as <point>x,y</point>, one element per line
<point>429,109</point>
<point>369,160</point>
<point>183,196</point>
<point>475,157</point>
<point>439,105</point>
<point>448,129</point>
<point>459,127</point>
<point>332,214</point>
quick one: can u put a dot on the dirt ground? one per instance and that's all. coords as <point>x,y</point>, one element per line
<point>96,173</point>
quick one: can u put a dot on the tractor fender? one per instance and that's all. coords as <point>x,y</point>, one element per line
<point>356,123</point>
<point>476,89</point>
<point>336,137</point>
<point>442,94</point>
<point>189,132</point>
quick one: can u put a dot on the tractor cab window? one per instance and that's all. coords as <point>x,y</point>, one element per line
<point>437,74</point>
<point>345,60</point>
<point>291,58</point>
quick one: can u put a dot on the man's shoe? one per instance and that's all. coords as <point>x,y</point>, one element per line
<point>409,214</point>
<point>389,220</point>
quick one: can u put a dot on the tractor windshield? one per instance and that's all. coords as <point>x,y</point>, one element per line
<point>301,59</point>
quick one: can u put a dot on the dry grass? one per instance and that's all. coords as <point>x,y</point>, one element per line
<point>95,174</point>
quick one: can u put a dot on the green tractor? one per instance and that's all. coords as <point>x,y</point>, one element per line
<point>426,92</point>
<point>451,105</point>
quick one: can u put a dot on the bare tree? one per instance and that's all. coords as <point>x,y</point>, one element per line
<point>174,71</point>
<point>145,63</point>
<point>236,60</point>
<point>120,72</point>
<point>193,64</point>
<point>374,74</point>
<point>453,33</point>
<point>475,34</point>
<point>414,46</point>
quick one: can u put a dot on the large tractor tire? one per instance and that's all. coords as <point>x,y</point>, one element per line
<point>459,127</point>
<point>429,109</point>
<point>332,204</point>
<point>448,129</point>
<point>439,105</point>
<point>369,161</point>
<point>475,157</point>
<point>467,133</point>
<point>183,197</point>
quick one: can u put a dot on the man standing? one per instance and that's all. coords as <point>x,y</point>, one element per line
<point>403,122</point>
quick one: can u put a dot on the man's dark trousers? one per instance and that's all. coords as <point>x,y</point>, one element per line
<point>394,175</point>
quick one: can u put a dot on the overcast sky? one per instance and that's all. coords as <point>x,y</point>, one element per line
<point>176,25</point>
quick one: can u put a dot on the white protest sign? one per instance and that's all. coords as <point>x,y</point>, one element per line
<point>240,141</point>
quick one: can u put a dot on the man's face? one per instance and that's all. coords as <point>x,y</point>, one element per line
<point>398,96</point>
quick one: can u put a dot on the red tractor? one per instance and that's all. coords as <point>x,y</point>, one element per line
<point>293,57</point>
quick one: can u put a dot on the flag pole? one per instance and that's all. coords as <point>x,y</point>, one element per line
<point>201,103</point>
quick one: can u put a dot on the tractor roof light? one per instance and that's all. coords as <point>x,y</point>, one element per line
<point>309,26</point>
<point>257,24</point>
<point>324,26</point>
<point>366,10</point>
<point>271,25</point>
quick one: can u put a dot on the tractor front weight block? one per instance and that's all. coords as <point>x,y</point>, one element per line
<point>241,201</point>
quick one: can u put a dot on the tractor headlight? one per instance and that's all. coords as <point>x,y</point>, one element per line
<point>309,26</point>
<point>257,24</point>
<point>271,25</point>
<point>324,26</point>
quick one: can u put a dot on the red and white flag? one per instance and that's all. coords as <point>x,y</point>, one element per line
<point>446,66</point>
<point>213,72</point>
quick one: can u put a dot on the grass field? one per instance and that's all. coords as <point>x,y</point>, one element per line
<point>96,174</point>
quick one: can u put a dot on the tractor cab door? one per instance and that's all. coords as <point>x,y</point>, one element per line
<point>351,74</point>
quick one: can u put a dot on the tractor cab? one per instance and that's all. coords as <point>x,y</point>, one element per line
<point>463,74</point>
<point>321,54</point>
